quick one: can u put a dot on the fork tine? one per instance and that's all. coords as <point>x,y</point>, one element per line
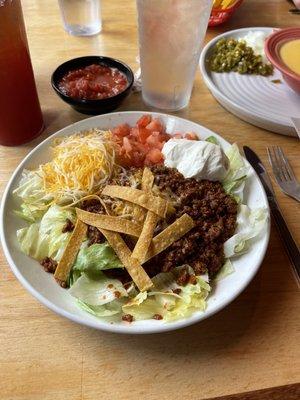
<point>287,165</point>
<point>283,172</point>
<point>273,163</point>
<point>280,164</point>
<point>270,156</point>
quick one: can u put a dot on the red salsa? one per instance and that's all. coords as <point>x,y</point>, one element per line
<point>93,82</point>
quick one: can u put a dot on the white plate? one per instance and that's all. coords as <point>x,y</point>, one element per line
<point>253,98</point>
<point>45,289</point>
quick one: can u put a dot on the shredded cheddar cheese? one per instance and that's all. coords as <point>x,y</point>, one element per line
<point>81,164</point>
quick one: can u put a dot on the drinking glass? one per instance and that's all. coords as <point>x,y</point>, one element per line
<point>81,17</point>
<point>20,113</point>
<point>171,33</point>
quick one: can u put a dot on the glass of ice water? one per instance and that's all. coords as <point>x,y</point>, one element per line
<point>81,17</point>
<point>171,33</point>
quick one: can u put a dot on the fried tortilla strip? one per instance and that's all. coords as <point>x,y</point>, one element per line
<point>134,268</point>
<point>152,203</point>
<point>115,224</point>
<point>144,241</point>
<point>169,235</point>
<point>66,262</point>
<point>151,220</point>
<point>139,213</point>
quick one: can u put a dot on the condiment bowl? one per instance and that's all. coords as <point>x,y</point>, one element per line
<point>97,106</point>
<point>272,50</point>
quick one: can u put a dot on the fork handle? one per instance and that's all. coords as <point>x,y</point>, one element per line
<point>289,243</point>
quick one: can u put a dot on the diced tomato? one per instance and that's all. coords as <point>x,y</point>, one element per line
<point>142,147</point>
<point>141,144</point>
<point>153,141</point>
<point>144,121</point>
<point>191,136</point>
<point>134,133</point>
<point>155,125</point>
<point>164,137</point>
<point>144,134</point>
<point>154,157</point>
<point>121,130</point>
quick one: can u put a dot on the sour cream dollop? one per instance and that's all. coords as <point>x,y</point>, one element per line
<point>196,159</point>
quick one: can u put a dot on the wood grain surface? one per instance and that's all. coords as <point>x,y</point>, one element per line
<point>252,344</point>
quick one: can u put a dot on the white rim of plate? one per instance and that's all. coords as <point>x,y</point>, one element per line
<point>98,324</point>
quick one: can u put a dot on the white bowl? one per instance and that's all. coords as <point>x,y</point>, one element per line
<point>43,286</point>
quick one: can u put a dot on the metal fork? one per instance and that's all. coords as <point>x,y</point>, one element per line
<point>283,172</point>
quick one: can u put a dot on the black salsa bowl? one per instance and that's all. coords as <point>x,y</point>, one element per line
<point>96,106</point>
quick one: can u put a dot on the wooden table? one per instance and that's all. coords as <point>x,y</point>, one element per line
<point>252,344</point>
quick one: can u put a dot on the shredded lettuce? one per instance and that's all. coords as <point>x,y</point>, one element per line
<point>250,224</point>
<point>96,257</point>
<point>102,297</point>
<point>92,260</point>
<point>103,311</point>
<point>98,296</point>
<point>163,301</point>
<point>97,292</point>
<point>234,181</point>
<point>212,139</point>
<point>45,238</point>
<point>227,269</point>
<point>31,243</point>
<point>35,201</point>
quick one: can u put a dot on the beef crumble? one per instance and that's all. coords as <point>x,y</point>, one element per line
<point>93,206</point>
<point>68,227</point>
<point>93,233</point>
<point>127,318</point>
<point>214,213</point>
<point>49,264</point>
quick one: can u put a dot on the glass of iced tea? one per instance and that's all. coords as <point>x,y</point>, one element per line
<point>20,113</point>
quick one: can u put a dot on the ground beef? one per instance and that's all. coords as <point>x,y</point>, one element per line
<point>183,278</point>
<point>49,264</point>
<point>68,227</point>
<point>93,233</point>
<point>157,316</point>
<point>127,317</point>
<point>93,206</point>
<point>176,291</point>
<point>214,213</point>
<point>120,274</point>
